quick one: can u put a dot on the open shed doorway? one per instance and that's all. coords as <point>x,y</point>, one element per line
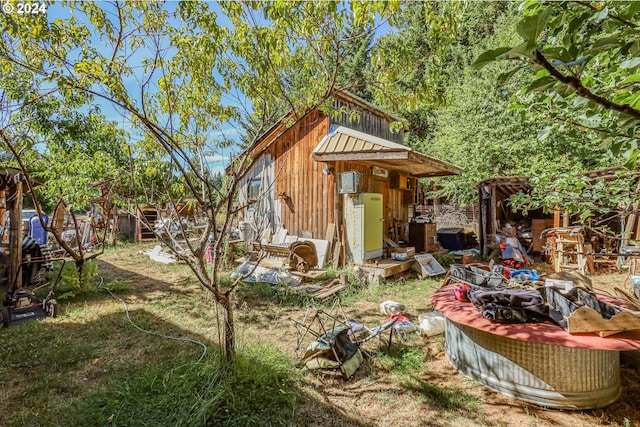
<point>497,217</point>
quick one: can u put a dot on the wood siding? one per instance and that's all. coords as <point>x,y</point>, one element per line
<point>303,190</point>
<point>369,122</point>
<point>395,201</point>
<point>303,197</point>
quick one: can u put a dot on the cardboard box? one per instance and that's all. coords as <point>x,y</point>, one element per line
<point>402,254</point>
<point>463,258</point>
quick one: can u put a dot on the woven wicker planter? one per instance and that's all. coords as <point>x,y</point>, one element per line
<point>547,375</point>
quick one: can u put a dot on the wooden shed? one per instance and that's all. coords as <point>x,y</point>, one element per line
<point>494,211</point>
<point>297,181</point>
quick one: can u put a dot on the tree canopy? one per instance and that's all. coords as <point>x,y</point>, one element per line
<point>482,123</point>
<point>182,79</point>
<point>577,64</point>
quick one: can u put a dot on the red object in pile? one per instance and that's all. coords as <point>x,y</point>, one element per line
<point>460,291</point>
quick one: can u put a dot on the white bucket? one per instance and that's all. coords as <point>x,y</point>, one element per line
<point>247,231</point>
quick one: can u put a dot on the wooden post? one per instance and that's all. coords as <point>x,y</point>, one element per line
<point>344,246</point>
<point>494,216</point>
<point>556,218</point>
<point>3,214</point>
<point>15,236</point>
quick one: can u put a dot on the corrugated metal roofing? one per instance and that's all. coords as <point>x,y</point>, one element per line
<point>347,144</point>
<point>345,140</point>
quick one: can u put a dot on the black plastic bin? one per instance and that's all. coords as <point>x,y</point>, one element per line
<point>451,238</point>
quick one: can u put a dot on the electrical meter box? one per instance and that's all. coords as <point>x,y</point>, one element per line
<point>349,182</point>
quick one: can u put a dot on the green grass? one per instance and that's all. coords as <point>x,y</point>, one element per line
<point>403,291</point>
<point>85,381</point>
<point>403,361</point>
<point>90,366</point>
<point>184,393</point>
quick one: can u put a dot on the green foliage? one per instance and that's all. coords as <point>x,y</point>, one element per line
<point>118,285</point>
<point>70,282</point>
<point>580,61</point>
<point>411,60</point>
<point>589,199</point>
<point>481,129</point>
<point>444,260</point>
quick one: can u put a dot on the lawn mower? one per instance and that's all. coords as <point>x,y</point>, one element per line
<point>22,304</point>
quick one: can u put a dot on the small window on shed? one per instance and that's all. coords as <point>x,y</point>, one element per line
<point>254,188</point>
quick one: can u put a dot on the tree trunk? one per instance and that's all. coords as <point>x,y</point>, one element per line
<point>79,268</point>
<point>15,236</point>
<point>229,330</point>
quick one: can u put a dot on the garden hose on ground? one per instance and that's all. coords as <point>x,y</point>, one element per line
<point>126,309</point>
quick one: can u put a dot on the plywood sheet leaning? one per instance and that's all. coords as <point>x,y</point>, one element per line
<point>330,236</point>
<point>325,289</point>
<point>279,236</point>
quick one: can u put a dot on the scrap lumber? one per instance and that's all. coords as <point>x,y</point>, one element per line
<point>337,249</point>
<point>593,316</point>
<point>290,239</point>
<point>343,242</point>
<point>390,242</point>
<point>279,236</point>
<point>313,274</point>
<point>323,290</point>
<point>330,235</point>
<point>588,248</point>
<point>586,320</point>
<point>265,238</point>
<point>332,290</point>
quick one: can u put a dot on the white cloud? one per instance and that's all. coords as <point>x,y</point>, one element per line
<point>212,158</point>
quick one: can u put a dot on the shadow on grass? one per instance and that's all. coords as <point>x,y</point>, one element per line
<point>107,372</point>
<point>443,398</point>
<point>141,284</point>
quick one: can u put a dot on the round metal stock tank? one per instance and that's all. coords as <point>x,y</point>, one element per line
<point>547,375</point>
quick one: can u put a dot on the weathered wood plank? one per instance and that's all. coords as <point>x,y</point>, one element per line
<point>329,292</point>
<point>587,320</point>
<point>387,268</point>
<point>337,249</point>
<point>330,235</point>
<point>313,274</point>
